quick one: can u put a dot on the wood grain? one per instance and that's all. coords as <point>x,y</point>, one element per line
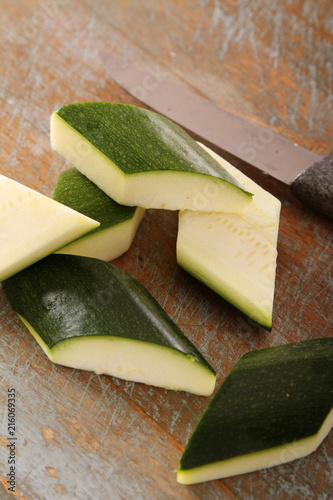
<point>84,436</point>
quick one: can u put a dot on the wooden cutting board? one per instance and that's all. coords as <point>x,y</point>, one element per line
<point>82,436</point>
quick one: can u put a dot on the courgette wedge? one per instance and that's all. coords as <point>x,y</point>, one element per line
<point>140,158</point>
<point>274,406</point>
<point>89,314</point>
<point>118,223</point>
<point>235,255</point>
<point>33,226</point>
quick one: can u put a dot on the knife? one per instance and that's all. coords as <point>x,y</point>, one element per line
<point>310,176</point>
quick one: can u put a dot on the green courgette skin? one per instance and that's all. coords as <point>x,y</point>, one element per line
<point>138,140</point>
<point>270,398</point>
<point>66,296</point>
<point>76,191</point>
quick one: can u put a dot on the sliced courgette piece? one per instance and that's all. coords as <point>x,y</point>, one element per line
<point>89,314</point>
<point>32,226</point>
<point>274,406</point>
<point>118,223</point>
<point>140,158</point>
<point>235,255</point>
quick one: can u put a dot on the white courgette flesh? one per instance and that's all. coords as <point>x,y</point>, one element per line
<point>108,244</point>
<point>33,226</point>
<point>235,255</point>
<point>133,360</point>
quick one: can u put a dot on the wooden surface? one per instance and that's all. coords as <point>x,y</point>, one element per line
<point>82,436</point>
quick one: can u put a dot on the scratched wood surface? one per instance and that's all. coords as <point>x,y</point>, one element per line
<point>83,436</point>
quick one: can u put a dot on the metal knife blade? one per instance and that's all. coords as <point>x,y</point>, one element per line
<point>310,176</point>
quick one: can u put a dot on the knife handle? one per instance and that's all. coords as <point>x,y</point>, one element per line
<point>314,186</point>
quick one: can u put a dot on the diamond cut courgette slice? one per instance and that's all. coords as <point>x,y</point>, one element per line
<point>118,223</point>
<point>33,226</point>
<point>235,255</point>
<point>89,314</point>
<point>140,158</point>
<point>275,405</point>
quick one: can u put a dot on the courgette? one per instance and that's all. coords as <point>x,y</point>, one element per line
<point>140,158</point>
<point>274,406</point>
<point>89,314</point>
<point>118,223</point>
<point>32,226</point>
<point>235,255</point>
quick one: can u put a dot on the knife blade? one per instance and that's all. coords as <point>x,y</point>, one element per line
<point>310,176</point>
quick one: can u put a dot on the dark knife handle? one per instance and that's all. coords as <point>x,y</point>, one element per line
<point>314,186</point>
